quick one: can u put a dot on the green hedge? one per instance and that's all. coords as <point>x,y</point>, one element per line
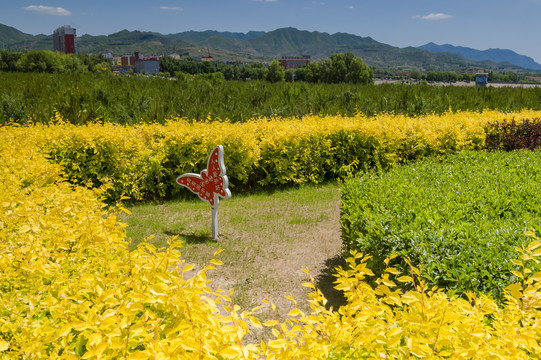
<point>459,218</point>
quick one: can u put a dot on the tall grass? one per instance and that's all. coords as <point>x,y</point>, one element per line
<point>84,98</point>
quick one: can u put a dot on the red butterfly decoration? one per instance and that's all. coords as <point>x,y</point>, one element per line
<point>212,183</point>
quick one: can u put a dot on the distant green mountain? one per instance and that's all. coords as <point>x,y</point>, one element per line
<point>13,39</point>
<point>199,36</point>
<point>293,42</point>
<point>10,35</point>
<point>497,55</point>
<point>127,42</point>
<point>256,46</point>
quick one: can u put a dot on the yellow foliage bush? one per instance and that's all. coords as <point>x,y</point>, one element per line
<point>71,289</point>
<point>142,161</point>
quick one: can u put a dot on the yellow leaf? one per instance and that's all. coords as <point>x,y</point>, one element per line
<point>294,312</point>
<point>216,262</point>
<point>517,274</point>
<point>81,326</point>
<point>217,252</point>
<point>139,355</point>
<point>270,323</point>
<point>536,276</point>
<point>517,262</point>
<point>515,290</point>
<point>277,344</point>
<point>231,352</point>
<point>405,279</point>
<point>255,322</point>
<point>4,345</point>
<point>188,267</point>
<point>126,211</point>
<point>65,330</point>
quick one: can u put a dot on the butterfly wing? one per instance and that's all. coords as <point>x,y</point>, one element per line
<point>216,172</point>
<point>197,184</point>
<point>212,183</point>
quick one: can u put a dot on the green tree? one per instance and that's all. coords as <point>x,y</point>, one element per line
<point>313,73</point>
<point>467,77</point>
<point>415,74</point>
<point>276,72</point>
<point>8,60</point>
<point>39,61</point>
<point>450,76</point>
<point>340,68</point>
<point>356,71</point>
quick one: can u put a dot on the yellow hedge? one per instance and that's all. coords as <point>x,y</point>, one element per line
<point>71,289</point>
<point>143,161</point>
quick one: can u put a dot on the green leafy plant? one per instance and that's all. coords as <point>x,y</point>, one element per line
<point>459,218</point>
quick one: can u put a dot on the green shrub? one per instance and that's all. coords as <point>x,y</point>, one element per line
<point>460,218</point>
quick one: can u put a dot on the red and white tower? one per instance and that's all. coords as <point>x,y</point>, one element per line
<point>64,40</point>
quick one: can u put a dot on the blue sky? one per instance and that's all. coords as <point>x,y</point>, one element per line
<point>480,24</point>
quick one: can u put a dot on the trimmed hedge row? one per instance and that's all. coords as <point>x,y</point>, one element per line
<point>143,161</point>
<point>460,218</point>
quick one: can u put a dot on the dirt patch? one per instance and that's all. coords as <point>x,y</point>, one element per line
<point>267,241</point>
<point>268,257</point>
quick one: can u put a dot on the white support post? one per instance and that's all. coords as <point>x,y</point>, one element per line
<point>215,223</point>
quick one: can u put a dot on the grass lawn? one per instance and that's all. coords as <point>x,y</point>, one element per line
<point>267,239</point>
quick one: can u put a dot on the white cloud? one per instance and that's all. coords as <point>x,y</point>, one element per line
<point>176,8</point>
<point>49,10</point>
<point>437,16</point>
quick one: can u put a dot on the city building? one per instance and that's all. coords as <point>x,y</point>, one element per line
<point>294,62</point>
<point>128,60</point>
<point>149,65</point>
<point>64,40</point>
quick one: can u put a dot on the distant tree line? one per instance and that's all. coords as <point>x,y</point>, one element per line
<point>230,71</point>
<point>43,61</point>
<point>338,68</point>
<point>452,76</point>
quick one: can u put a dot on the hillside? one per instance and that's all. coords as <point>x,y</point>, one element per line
<point>125,41</point>
<point>9,34</point>
<point>199,36</point>
<point>258,46</point>
<point>497,55</point>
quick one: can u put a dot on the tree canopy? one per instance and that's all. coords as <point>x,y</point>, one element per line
<point>340,68</point>
<point>43,61</point>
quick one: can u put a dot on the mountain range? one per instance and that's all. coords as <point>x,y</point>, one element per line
<point>265,46</point>
<point>496,55</point>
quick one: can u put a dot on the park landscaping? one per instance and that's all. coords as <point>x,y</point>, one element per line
<point>77,282</point>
